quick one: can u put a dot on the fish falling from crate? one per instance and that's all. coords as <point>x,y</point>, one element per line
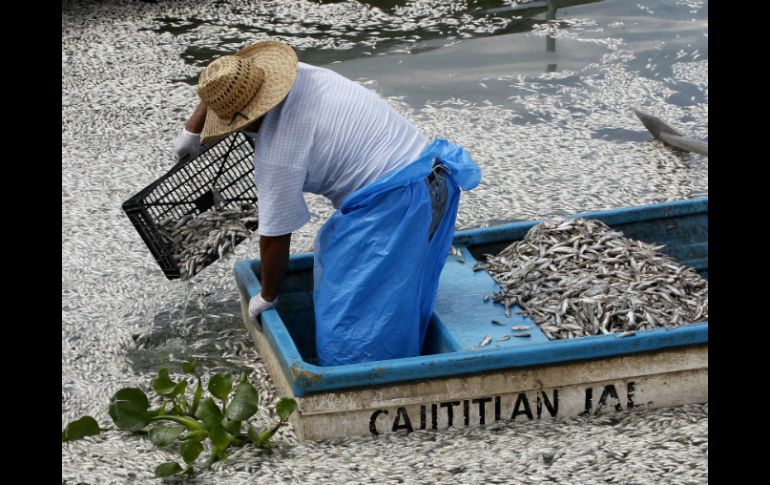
<point>200,209</point>
<point>578,277</point>
<point>196,239</point>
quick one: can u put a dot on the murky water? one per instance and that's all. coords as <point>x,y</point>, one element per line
<point>430,52</point>
<point>541,97</point>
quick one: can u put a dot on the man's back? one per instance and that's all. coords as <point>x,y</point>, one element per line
<point>331,136</point>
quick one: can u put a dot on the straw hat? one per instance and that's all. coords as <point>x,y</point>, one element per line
<point>240,88</point>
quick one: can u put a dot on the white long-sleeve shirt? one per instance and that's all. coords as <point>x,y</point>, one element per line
<point>330,136</point>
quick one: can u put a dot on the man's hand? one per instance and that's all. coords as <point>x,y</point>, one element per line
<point>187,144</point>
<point>257,305</point>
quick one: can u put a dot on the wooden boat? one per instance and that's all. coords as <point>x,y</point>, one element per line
<point>456,384</point>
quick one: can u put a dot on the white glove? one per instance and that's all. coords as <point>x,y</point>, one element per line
<point>257,305</point>
<point>187,144</point>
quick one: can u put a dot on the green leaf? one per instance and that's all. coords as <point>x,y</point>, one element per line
<point>264,437</point>
<point>218,453</point>
<point>190,451</point>
<point>198,435</point>
<point>185,421</point>
<point>178,389</point>
<point>208,411</point>
<point>244,404</point>
<point>85,426</point>
<point>211,417</point>
<point>218,435</point>
<point>197,398</point>
<point>164,435</point>
<point>163,385</point>
<point>177,410</point>
<point>252,434</point>
<point>233,427</point>
<point>189,368</point>
<point>220,386</point>
<point>262,440</point>
<point>128,409</point>
<point>167,469</point>
<point>285,407</point>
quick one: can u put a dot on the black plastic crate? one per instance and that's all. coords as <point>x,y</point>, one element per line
<point>186,189</point>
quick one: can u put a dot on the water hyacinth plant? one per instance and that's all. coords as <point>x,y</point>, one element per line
<point>189,424</point>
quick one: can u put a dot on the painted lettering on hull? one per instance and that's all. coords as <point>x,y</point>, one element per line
<point>521,407</point>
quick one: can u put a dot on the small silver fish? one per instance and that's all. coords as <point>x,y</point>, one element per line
<point>505,337</point>
<point>497,322</point>
<point>519,328</point>
<point>522,335</point>
<point>219,201</point>
<point>487,296</point>
<point>485,341</point>
<point>578,278</point>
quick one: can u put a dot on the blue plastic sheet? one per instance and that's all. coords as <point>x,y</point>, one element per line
<point>375,271</point>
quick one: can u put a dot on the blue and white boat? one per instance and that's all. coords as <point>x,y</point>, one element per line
<point>456,384</point>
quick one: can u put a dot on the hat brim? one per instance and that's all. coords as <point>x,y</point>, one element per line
<point>279,63</point>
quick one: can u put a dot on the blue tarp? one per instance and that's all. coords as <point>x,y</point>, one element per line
<point>375,271</point>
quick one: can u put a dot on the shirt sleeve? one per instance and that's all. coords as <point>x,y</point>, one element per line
<point>282,151</point>
<point>280,203</point>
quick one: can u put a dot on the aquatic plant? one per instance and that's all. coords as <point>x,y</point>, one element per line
<point>187,425</point>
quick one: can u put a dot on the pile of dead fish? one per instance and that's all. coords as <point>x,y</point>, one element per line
<point>199,239</point>
<point>578,277</point>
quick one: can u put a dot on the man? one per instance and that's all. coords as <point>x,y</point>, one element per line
<point>378,258</point>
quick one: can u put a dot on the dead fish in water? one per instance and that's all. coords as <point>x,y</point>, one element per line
<point>487,296</point>
<point>485,341</point>
<point>497,322</point>
<point>520,328</point>
<point>670,136</point>
<point>505,337</point>
<point>522,335</point>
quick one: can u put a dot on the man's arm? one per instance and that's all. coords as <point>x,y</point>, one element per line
<point>197,119</point>
<point>274,252</point>
<point>188,142</point>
